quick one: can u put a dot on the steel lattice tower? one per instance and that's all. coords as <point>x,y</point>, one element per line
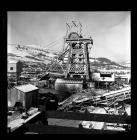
<point>78,65</point>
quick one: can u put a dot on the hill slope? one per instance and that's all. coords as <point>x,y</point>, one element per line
<point>33,53</point>
<point>30,53</point>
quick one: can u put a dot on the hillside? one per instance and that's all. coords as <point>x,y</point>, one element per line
<point>126,63</point>
<point>30,53</point>
<point>104,62</point>
<point>33,53</point>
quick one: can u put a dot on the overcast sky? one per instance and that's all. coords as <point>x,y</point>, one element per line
<point>110,31</point>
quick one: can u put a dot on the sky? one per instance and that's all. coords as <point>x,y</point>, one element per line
<point>111,31</point>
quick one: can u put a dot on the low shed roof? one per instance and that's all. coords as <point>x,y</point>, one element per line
<point>26,88</point>
<point>13,61</point>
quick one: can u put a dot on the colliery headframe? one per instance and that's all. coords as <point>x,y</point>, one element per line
<point>97,102</point>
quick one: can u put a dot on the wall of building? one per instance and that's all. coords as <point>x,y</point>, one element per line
<point>28,100</point>
<point>19,67</point>
<point>15,95</point>
<point>97,77</point>
<point>65,88</point>
<point>31,99</point>
<point>12,67</point>
<point>15,67</point>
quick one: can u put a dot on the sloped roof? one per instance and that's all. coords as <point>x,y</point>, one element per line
<point>26,88</point>
<point>13,61</point>
<point>69,81</point>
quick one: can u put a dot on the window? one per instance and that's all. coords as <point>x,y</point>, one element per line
<point>80,59</point>
<point>105,75</point>
<point>11,68</point>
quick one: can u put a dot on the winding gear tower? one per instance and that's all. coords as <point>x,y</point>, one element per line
<point>78,65</point>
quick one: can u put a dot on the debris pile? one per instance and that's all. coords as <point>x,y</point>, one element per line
<point>94,97</point>
<point>104,125</point>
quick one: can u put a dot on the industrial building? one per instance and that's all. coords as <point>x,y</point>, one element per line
<point>14,69</point>
<point>103,78</point>
<point>26,94</point>
<point>126,78</point>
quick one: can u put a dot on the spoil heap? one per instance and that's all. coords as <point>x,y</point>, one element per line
<point>97,97</point>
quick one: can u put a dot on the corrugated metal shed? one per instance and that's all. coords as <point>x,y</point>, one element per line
<point>26,94</point>
<point>26,88</point>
